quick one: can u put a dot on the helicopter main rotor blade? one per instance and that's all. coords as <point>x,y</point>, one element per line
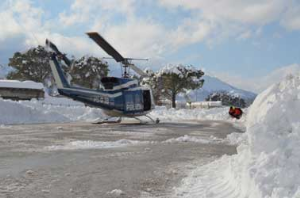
<point>137,70</point>
<point>106,46</point>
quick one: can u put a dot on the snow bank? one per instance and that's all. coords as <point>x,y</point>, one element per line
<point>165,114</point>
<point>268,162</point>
<point>30,112</point>
<point>273,129</point>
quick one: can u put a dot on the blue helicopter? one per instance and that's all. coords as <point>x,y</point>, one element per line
<point>117,97</point>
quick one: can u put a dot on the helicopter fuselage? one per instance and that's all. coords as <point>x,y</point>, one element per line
<point>118,97</point>
<point>129,101</point>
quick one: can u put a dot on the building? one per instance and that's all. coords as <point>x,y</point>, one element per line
<point>17,90</point>
<point>205,104</point>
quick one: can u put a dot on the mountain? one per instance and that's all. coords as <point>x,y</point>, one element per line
<point>259,84</point>
<point>212,85</point>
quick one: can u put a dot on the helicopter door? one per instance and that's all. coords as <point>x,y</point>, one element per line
<point>129,101</point>
<point>147,100</point>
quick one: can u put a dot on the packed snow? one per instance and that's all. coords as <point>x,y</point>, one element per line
<point>187,138</point>
<point>88,144</point>
<point>267,164</point>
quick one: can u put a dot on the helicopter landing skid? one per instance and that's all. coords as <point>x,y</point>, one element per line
<point>107,121</point>
<point>154,121</point>
<point>142,122</point>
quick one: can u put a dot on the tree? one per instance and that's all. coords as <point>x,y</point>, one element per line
<point>175,79</point>
<point>30,65</point>
<point>88,71</point>
<point>155,82</point>
<point>178,79</point>
<point>227,99</point>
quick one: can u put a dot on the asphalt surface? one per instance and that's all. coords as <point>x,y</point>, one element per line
<point>113,160</point>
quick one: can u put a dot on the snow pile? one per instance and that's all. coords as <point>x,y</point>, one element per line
<point>267,164</point>
<point>116,193</point>
<point>20,84</point>
<point>29,112</point>
<point>273,129</point>
<point>88,144</point>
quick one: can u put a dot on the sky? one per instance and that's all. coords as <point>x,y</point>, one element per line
<point>232,39</point>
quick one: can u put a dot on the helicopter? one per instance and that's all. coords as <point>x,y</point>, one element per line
<point>117,96</point>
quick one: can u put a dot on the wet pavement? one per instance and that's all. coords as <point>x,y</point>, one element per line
<point>112,160</point>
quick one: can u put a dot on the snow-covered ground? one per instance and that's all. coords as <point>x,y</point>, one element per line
<point>267,164</point>
<point>194,114</point>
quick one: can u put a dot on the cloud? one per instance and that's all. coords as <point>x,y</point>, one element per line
<point>82,11</point>
<point>136,37</point>
<point>259,84</point>
<point>291,20</point>
<point>238,18</point>
<point>251,11</point>
<point>18,17</point>
<point>23,27</point>
<point>142,35</point>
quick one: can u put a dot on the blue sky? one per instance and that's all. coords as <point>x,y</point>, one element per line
<point>247,39</point>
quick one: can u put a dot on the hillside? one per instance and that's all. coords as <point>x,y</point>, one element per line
<point>213,84</point>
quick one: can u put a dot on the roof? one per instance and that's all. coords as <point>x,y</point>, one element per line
<point>20,84</point>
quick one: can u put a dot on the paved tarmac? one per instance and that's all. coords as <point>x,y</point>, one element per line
<point>112,160</point>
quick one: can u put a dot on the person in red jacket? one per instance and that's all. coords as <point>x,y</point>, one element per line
<point>235,112</point>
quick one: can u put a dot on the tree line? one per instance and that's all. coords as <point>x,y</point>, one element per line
<point>88,70</point>
<point>34,65</point>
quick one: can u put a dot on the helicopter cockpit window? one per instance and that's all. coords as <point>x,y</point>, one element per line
<point>109,82</point>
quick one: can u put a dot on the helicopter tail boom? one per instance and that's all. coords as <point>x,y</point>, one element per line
<point>58,74</point>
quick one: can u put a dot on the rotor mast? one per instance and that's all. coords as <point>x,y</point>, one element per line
<point>125,62</point>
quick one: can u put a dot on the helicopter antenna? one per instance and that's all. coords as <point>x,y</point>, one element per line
<point>126,62</point>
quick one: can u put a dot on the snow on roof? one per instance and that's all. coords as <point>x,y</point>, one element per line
<point>20,84</point>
